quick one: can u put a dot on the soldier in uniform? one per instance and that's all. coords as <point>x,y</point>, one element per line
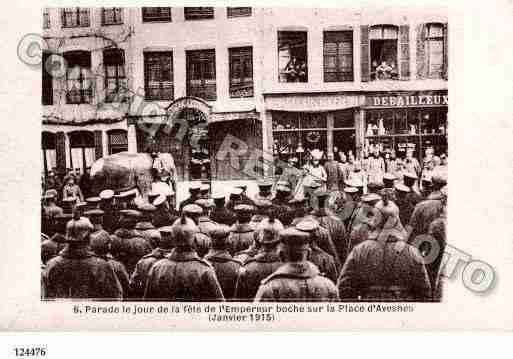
<point>405,206</point>
<point>282,194</point>
<point>262,264</point>
<point>388,187</point>
<point>335,175</point>
<point>194,194</point>
<point>264,190</point>
<point>291,174</point>
<point>100,246</point>
<point>76,272</point>
<point>241,233</point>
<point>202,242</point>
<point>144,225</point>
<point>50,212</point>
<point>110,217</point>
<point>49,249</point>
<point>126,200</point>
<point>164,215</point>
<point>139,277</point>
<point>220,214</point>
<point>244,199</point>
<point>334,226</point>
<point>263,206</point>
<point>234,199</point>
<point>385,267</point>
<point>298,279</point>
<point>226,267</point>
<point>128,246</point>
<point>204,191</point>
<point>183,275</point>
<point>205,224</point>
<point>324,261</point>
<point>361,220</point>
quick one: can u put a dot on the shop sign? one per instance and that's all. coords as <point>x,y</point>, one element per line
<point>310,103</point>
<point>188,102</point>
<point>408,100</point>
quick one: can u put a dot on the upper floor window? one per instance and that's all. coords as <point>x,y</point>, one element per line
<point>241,72</point>
<point>47,80</point>
<point>118,141</point>
<point>75,17</point>
<point>198,13</point>
<point>115,77</point>
<point>384,52</point>
<point>201,74</point>
<point>292,56</point>
<point>150,14</point>
<point>158,75</point>
<point>79,80</point>
<point>338,56</point>
<point>112,15</point>
<point>435,50</point>
<point>238,11</point>
<point>46,19</point>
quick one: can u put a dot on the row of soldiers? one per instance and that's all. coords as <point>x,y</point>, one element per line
<point>276,246</point>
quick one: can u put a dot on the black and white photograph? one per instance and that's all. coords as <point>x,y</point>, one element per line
<point>244,154</point>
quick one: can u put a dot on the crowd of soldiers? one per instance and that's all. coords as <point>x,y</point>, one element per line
<point>355,243</point>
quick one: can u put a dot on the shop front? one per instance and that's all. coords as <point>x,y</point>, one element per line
<point>406,121</point>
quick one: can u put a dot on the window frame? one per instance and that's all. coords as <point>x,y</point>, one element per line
<point>47,79</point>
<point>161,57</point>
<point>244,55</point>
<point>338,73</point>
<point>86,94</point>
<point>146,18</point>
<point>232,13</point>
<point>121,89</point>
<point>46,19</point>
<point>428,40</point>
<point>123,147</point>
<point>280,41</point>
<point>76,12</point>
<point>202,61</point>
<point>188,16</point>
<point>118,10</point>
<point>383,38</point>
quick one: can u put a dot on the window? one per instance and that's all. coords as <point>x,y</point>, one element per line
<point>383,52</point>
<point>292,56</point>
<point>338,56</point>
<point>78,77</point>
<point>82,149</point>
<point>112,15</point>
<point>47,90</point>
<point>241,72</point>
<point>201,74</point>
<point>49,155</point>
<point>198,13</point>
<point>152,14</point>
<point>238,11</point>
<point>158,75</point>
<point>118,141</point>
<point>435,50</point>
<point>115,77</point>
<point>75,17</point>
<point>46,19</point>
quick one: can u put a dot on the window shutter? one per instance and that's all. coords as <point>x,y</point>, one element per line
<point>446,52</point>
<point>421,52</point>
<point>404,51</point>
<point>365,53</point>
<point>60,152</point>
<point>98,144</point>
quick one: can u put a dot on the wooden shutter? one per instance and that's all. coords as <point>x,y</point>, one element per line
<point>404,51</point>
<point>98,144</point>
<point>446,52</point>
<point>421,52</point>
<point>60,152</point>
<point>365,53</point>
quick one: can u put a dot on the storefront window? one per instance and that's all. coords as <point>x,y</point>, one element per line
<point>292,55</point>
<point>406,129</point>
<point>383,52</point>
<point>49,155</point>
<point>82,149</point>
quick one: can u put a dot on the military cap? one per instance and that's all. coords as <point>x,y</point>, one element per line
<point>354,183</point>
<point>77,230</point>
<point>192,209</point>
<point>268,230</point>
<point>439,180</point>
<point>159,200</point>
<point>127,194</point>
<point>298,200</point>
<point>350,190</point>
<point>389,177</point>
<point>307,225</point>
<point>93,200</point>
<point>166,231</point>
<point>80,205</point>
<point>244,208</point>
<point>370,198</point>
<point>218,195</point>
<point>94,213</point>
<point>427,181</point>
<point>195,186</point>
<point>283,188</point>
<point>69,200</point>
<point>146,207</point>
<point>402,188</point>
<point>293,237</point>
<point>262,203</point>
<point>130,213</point>
<point>183,230</point>
<point>204,187</point>
<point>106,194</point>
<point>374,186</point>
<point>263,183</point>
<point>204,203</point>
<point>237,191</point>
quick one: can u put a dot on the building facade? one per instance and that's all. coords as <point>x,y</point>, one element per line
<point>281,82</point>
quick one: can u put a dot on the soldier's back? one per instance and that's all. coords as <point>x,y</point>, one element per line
<point>202,243</point>
<point>325,262</point>
<point>241,237</point>
<point>227,270</point>
<point>139,277</point>
<point>254,271</point>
